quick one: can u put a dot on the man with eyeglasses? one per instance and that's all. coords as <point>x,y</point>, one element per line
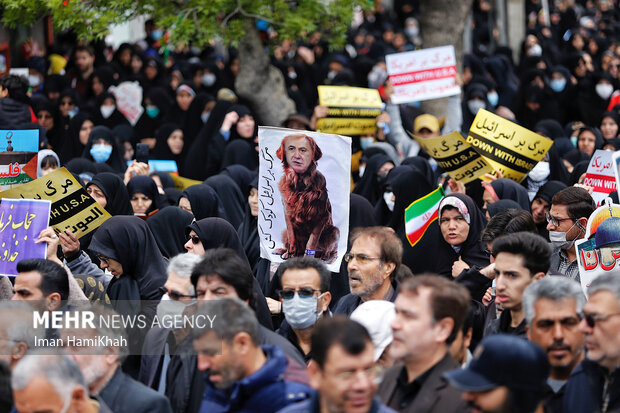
<point>430,311</point>
<point>552,308</point>
<point>305,298</point>
<point>221,273</point>
<point>372,263</point>
<point>594,384</point>
<point>566,223</point>
<point>160,341</point>
<point>343,371</point>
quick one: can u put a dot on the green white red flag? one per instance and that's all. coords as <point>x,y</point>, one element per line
<point>420,214</point>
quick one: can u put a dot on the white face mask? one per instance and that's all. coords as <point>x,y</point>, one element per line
<point>34,80</point>
<point>361,170</point>
<point>535,50</point>
<point>106,111</point>
<point>387,197</point>
<point>558,239</point>
<point>540,171</point>
<point>604,90</point>
<point>475,105</point>
<point>412,31</point>
<point>208,79</point>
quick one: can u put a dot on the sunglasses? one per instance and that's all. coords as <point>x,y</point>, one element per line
<point>175,295</point>
<point>302,292</point>
<point>195,239</point>
<point>592,319</point>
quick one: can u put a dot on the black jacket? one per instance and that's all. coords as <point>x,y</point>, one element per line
<point>13,113</point>
<point>584,389</point>
<point>123,394</point>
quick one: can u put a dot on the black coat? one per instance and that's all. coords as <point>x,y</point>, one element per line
<point>123,394</point>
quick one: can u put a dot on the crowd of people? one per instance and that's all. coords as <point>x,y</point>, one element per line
<point>485,313</point>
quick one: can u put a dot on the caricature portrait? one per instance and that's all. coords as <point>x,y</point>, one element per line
<point>308,212</point>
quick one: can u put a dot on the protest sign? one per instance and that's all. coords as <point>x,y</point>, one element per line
<point>181,183</point>
<point>160,165</point>
<point>18,156</point>
<point>303,195</point>
<point>508,147</point>
<point>72,207</point>
<point>129,100</point>
<point>598,254</point>
<point>351,110</point>
<point>455,156</point>
<point>600,175</point>
<point>422,74</point>
<point>615,158</point>
<point>21,221</point>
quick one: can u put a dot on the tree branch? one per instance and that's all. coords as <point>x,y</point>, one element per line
<point>239,10</point>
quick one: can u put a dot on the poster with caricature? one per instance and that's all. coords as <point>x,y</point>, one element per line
<point>303,195</point>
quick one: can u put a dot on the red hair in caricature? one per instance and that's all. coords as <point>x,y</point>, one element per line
<point>307,209</point>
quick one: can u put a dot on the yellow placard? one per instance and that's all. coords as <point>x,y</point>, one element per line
<point>508,147</point>
<point>72,207</point>
<point>455,156</point>
<point>181,183</point>
<point>351,110</point>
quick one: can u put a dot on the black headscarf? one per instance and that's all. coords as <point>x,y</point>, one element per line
<point>145,185</point>
<point>579,169</point>
<point>195,165</point>
<point>168,228</point>
<point>146,126</point>
<point>230,197</point>
<point>408,186</point>
<point>128,240</point>
<point>80,165</point>
<point>383,215</point>
<point>472,250</point>
<point>115,193</point>
<point>163,151</point>
<point>173,195</point>
<point>218,233</point>
<point>71,147</point>
<point>549,189</point>
<point>241,175</point>
<point>361,213</point>
<point>193,122</point>
<point>368,185</point>
<point>423,166</point>
<point>248,232</point>
<point>117,118</point>
<point>116,160</point>
<point>204,202</point>
<point>508,189</point>
<point>502,205</point>
<point>165,178</point>
<point>241,152</point>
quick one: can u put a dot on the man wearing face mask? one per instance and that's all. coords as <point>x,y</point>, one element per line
<point>305,298</point>
<point>566,222</point>
<point>179,293</point>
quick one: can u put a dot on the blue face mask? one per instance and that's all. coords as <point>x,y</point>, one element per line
<point>205,117</point>
<point>152,111</point>
<point>366,141</point>
<point>156,34</point>
<point>573,140</point>
<point>558,85</point>
<point>301,313</point>
<point>101,153</point>
<point>493,98</point>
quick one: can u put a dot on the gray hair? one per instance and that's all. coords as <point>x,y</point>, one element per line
<point>182,265</point>
<point>232,316</point>
<point>19,318</point>
<point>59,369</point>
<point>554,288</point>
<point>608,282</point>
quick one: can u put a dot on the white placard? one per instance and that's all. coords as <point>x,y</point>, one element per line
<point>423,74</point>
<point>303,194</point>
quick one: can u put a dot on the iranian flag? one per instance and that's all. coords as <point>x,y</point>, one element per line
<point>420,214</point>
